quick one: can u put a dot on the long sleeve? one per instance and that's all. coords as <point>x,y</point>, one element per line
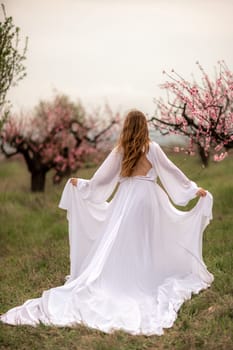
<point>101,185</point>
<point>179,187</point>
<point>87,209</point>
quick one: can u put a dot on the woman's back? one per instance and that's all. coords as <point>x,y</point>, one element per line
<point>142,167</point>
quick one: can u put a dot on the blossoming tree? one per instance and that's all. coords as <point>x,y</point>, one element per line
<point>202,112</point>
<point>59,135</point>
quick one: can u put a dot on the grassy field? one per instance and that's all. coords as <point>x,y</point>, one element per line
<point>34,257</point>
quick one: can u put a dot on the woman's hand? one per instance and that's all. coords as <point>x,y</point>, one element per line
<point>201,192</point>
<point>74,181</point>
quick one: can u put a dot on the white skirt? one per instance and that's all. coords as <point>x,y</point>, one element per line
<point>134,261</point>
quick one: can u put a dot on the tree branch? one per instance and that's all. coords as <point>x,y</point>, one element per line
<point>102,132</point>
<point>8,155</point>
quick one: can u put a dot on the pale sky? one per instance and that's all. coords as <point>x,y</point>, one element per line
<point>116,50</point>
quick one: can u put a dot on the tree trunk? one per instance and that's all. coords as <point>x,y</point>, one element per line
<point>38,180</point>
<point>204,157</point>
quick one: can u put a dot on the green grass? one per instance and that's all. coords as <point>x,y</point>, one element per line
<point>34,256</point>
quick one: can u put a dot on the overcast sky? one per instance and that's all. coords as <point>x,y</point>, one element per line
<point>116,50</point>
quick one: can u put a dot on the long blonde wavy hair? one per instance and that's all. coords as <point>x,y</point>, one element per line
<point>134,141</point>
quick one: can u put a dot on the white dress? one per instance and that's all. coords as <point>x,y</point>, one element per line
<point>134,260</point>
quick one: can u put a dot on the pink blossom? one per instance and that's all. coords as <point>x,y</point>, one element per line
<point>219,158</point>
<point>218,147</point>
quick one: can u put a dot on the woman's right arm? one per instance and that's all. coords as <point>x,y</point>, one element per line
<point>101,185</point>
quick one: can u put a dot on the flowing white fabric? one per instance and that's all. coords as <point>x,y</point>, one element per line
<point>134,260</point>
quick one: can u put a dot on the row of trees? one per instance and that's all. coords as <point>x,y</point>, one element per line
<point>60,135</point>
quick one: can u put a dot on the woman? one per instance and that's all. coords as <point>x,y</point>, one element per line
<point>135,259</point>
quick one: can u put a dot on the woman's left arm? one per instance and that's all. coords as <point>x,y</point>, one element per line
<point>179,187</point>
